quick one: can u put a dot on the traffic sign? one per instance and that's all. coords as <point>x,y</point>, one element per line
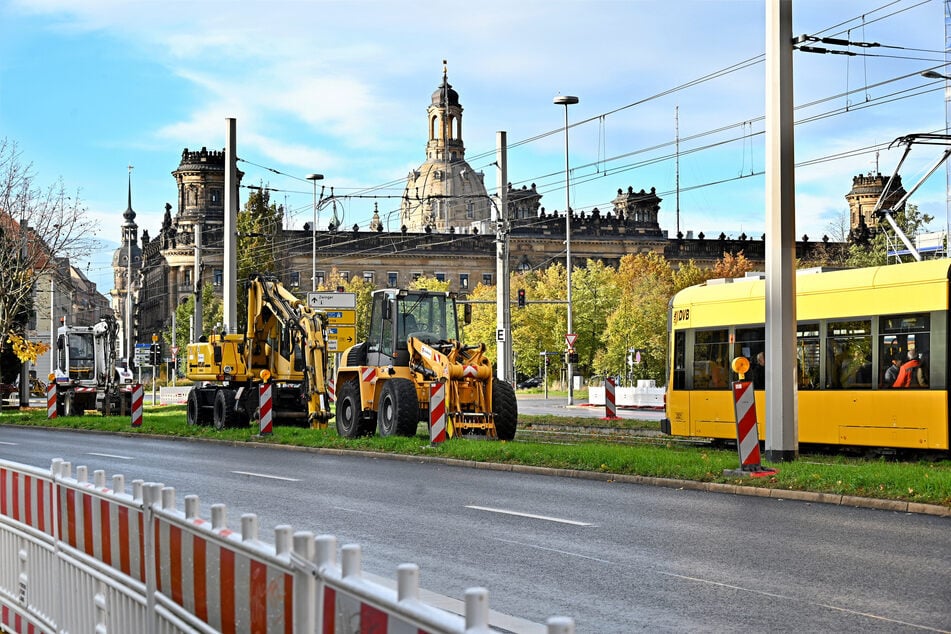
<point>341,317</point>
<point>332,300</point>
<point>500,334</point>
<point>340,337</point>
<point>570,339</point>
<point>142,351</point>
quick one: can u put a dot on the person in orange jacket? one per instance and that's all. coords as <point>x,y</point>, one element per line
<point>908,371</point>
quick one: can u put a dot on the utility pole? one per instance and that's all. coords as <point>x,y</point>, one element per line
<point>197,330</point>
<point>231,228</point>
<point>503,311</point>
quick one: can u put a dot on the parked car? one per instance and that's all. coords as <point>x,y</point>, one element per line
<point>530,382</point>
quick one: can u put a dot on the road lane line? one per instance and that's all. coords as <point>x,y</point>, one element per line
<point>264,475</point>
<point>12,444</point>
<point>806,601</point>
<point>554,550</point>
<point>110,455</point>
<point>528,515</point>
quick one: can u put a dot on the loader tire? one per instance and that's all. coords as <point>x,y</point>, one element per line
<point>224,415</point>
<point>399,409</point>
<point>351,422</point>
<point>505,409</point>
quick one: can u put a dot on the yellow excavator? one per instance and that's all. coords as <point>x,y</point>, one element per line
<point>383,383</point>
<point>283,345</point>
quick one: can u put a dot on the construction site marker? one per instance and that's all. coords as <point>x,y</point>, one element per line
<point>51,399</point>
<point>747,432</point>
<point>437,413</point>
<point>138,396</point>
<point>610,400</point>
<point>265,410</point>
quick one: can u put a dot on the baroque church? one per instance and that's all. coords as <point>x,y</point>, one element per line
<point>445,232</point>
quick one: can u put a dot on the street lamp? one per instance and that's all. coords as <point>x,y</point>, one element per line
<point>568,100</point>
<point>313,258</point>
<point>930,74</point>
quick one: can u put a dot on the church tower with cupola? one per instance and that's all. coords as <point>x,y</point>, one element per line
<point>444,194</point>
<point>126,265</point>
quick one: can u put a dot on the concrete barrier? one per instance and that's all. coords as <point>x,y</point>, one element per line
<point>174,395</point>
<point>645,395</point>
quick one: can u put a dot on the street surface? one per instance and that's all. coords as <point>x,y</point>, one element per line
<point>615,557</point>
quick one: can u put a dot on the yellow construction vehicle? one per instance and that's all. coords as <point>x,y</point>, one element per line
<point>384,382</point>
<point>283,345</point>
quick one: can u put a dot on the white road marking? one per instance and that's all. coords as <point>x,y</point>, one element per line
<point>110,455</point>
<point>264,475</point>
<point>12,444</point>
<point>788,598</point>
<point>554,550</point>
<point>528,515</point>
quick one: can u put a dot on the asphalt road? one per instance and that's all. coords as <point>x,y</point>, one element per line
<point>615,557</point>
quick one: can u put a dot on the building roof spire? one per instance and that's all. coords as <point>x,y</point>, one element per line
<point>129,215</point>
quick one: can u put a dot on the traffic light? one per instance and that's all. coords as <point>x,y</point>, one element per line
<point>572,356</point>
<point>340,289</point>
<point>521,298</point>
<point>155,354</point>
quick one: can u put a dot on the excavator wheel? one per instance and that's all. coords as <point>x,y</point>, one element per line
<point>505,409</point>
<point>399,409</point>
<point>351,422</point>
<point>224,414</point>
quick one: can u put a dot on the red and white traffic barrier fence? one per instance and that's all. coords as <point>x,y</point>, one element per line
<point>331,391</point>
<point>138,397</point>
<point>437,413</point>
<point>747,433</point>
<point>265,409</point>
<point>610,403</point>
<point>51,412</point>
<point>87,557</point>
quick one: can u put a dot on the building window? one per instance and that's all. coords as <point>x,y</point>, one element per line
<point>368,276</point>
<point>464,281</point>
<point>345,276</point>
<point>215,196</point>
<point>487,279</point>
<point>321,278</point>
<point>218,277</point>
<point>188,277</point>
<point>441,277</point>
<point>391,279</point>
<point>295,279</point>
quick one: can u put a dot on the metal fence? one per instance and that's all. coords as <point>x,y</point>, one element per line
<point>86,556</point>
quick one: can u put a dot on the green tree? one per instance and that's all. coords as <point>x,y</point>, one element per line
<point>212,314</point>
<point>595,297</point>
<point>875,252</point>
<point>257,225</point>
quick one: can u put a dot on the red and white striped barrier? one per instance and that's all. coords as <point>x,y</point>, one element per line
<point>610,403</point>
<point>747,433</point>
<point>437,413</point>
<point>138,396</point>
<point>89,558</point>
<point>265,408</point>
<point>51,400</point>
<point>331,391</point>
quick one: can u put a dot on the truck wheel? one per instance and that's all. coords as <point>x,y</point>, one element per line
<point>351,422</point>
<point>399,409</point>
<point>224,414</point>
<point>193,411</point>
<point>73,405</point>
<point>505,409</point>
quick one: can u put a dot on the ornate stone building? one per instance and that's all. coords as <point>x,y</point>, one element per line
<point>444,192</point>
<point>862,198</point>
<point>445,232</point>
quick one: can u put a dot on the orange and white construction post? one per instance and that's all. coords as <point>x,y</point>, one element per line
<point>747,432</point>
<point>610,400</point>
<point>265,409</point>
<point>51,398</point>
<point>138,396</point>
<point>437,413</point>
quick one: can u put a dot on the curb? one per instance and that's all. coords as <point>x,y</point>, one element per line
<point>812,497</point>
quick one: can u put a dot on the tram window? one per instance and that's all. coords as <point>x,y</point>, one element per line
<point>710,353</point>
<point>901,334</point>
<point>849,354</point>
<point>807,356</point>
<point>680,362</point>
<point>749,342</point>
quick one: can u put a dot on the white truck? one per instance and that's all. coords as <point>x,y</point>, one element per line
<point>86,374</point>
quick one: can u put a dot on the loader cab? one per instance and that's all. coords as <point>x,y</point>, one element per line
<point>397,315</point>
<point>75,354</point>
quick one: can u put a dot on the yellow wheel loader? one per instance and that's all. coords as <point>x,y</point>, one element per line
<point>383,384</point>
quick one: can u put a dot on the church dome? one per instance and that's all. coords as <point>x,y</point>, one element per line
<point>445,93</point>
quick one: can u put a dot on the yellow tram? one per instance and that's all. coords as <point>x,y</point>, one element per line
<point>851,324</point>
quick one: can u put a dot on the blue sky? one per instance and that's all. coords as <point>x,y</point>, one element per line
<point>341,88</point>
